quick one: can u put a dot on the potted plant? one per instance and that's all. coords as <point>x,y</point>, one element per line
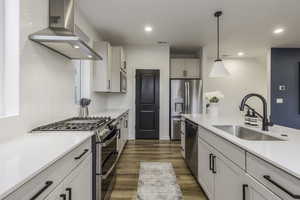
<point>213,99</point>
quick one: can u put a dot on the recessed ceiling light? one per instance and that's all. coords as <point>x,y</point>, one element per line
<point>148,29</point>
<point>89,56</point>
<point>278,31</point>
<point>76,47</point>
<point>241,53</point>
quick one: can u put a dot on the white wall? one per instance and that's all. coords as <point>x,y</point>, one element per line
<point>46,78</point>
<point>247,75</point>
<point>146,57</point>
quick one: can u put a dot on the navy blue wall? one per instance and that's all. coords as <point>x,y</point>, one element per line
<point>285,71</point>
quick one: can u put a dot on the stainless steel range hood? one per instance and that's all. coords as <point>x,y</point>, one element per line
<point>63,35</point>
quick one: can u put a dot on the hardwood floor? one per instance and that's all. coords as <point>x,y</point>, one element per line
<point>157,151</point>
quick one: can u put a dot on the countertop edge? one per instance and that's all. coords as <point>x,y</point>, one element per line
<point>31,176</point>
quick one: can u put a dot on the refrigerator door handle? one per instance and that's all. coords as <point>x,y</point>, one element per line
<point>188,96</point>
<point>185,97</point>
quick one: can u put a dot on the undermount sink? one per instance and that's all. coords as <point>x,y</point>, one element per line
<point>246,134</point>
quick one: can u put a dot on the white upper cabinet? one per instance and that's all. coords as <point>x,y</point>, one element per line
<point>185,68</point>
<point>118,68</point>
<point>110,73</point>
<point>103,68</point>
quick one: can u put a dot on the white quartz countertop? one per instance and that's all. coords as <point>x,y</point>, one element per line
<point>282,154</point>
<point>26,156</point>
<point>113,113</point>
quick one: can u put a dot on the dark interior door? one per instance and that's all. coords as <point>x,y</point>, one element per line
<point>147,104</point>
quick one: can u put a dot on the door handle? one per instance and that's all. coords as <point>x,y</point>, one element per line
<point>210,161</point>
<point>268,178</point>
<point>214,164</point>
<point>47,185</point>
<point>80,156</point>
<point>63,196</point>
<point>69,190</point>
<point>245,186</point>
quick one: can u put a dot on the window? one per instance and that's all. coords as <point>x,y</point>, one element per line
<point>9,57</point>
<point>1,55</point>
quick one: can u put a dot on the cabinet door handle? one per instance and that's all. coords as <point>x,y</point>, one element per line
<point>47,184</point>
<point>245,186</point>
<point>63,196</point>
<point>80,156</point>
<point>214,164</point>
<point>69,190</point>
<point>268,178</point>
<point>210,161</point>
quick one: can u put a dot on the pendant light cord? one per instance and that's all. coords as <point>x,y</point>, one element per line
<point>217,15</point>
<point>218,40</point>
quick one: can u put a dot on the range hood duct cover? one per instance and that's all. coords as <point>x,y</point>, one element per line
<point>63,35</point>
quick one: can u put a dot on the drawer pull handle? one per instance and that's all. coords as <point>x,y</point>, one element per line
<point>63,196</point>
<point>245,186</point>
<point>214,164</point>
<point>47,184</point>
<point>268,178</point>
<point>80,156</point>
<point>69,190</point>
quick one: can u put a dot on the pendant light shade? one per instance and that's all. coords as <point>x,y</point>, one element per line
<point>218,70</point>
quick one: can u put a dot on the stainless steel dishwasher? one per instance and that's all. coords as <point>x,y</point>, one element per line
<point>191,146</point>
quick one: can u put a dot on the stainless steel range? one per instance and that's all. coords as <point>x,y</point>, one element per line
<point>104,145</point>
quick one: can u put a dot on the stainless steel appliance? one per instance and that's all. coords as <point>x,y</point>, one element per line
<point>123,81</point>
<point>63,35</point>
<point>185,98</point>
<point>191,146</point>
<point>104,147</point>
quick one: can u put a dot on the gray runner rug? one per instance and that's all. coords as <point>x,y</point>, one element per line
<point>157,181</point>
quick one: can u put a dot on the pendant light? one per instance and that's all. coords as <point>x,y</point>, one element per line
<point>218,70</point>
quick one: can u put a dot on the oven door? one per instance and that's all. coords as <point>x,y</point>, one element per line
<point>123,81</point>
<point>106,164</point>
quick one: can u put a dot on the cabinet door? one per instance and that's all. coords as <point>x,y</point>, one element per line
<point>123,59</point>
<point>102,68</point>
<point>192,67</point>
<point>229,180</point>
<point>177,68</point>
<point>205,175</point>
<point>77,185</point>
<point>80,186</point>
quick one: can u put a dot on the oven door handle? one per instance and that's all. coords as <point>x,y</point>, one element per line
<point>103,177</point>
<point>106,143</point>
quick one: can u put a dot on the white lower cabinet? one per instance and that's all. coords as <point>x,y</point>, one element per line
<point>228,177</point>
<point>77,185</point>
<point>222,179</point>
<point>124,134</point>
<point>205,175</point>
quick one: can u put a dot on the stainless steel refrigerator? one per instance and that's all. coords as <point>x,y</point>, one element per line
<point>185,98</point>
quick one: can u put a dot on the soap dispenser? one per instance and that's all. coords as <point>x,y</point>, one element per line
<point>247,118</point>
<point>253,119</point>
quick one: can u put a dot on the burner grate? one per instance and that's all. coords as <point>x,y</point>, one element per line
<point>76,124</point>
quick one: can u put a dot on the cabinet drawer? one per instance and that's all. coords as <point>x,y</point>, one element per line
<point>229,150</point>
<point>42,184</point>
<point>278,181</point>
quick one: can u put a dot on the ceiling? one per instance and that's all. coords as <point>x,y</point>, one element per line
<point>246,25</point>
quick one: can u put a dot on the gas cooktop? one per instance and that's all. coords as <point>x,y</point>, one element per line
<point>76,124</point>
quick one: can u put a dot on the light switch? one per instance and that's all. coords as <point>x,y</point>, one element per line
<point>279,100</point>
